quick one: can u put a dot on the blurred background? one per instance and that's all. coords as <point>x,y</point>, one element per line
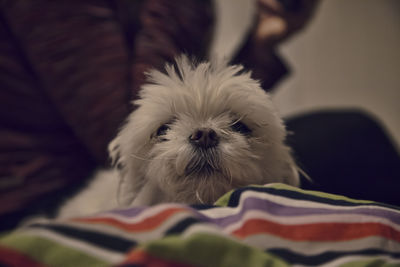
<point>347,57</point>
<point>68,73</point>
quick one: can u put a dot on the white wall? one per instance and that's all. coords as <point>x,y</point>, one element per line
<point>349,56</point>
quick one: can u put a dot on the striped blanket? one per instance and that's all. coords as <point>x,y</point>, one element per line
<point>272,225</point>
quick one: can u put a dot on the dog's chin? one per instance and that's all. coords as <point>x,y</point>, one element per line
<point>202,181</point>
<point>206,176</point>
<point>204,163</point>
<point>201,170</point>
<point>205,187</point>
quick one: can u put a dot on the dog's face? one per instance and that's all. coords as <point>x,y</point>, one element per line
<point>200,131</point>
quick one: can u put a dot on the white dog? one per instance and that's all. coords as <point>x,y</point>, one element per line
<point>198,132</point>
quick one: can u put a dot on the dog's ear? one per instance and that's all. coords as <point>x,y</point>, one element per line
<point>114,151</point>
<point>128,186</point>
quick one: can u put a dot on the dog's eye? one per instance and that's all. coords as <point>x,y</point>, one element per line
<point>240,127</point>
<point>162,130</point>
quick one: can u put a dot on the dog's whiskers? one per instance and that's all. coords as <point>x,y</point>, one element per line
<point>238,119</point>
<point>230,176</point>
<point>150,159</point>
<point>138,157</point>
<point>199,198</point>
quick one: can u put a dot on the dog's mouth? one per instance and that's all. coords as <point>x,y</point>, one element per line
<point>204,162</point>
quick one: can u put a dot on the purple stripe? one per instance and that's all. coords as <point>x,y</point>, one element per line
<point>270,207</point>
<point>273,208</point>
<point>128,212</point>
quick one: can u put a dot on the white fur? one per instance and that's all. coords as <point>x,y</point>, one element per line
<point>99,195</point>
<point>207,95</point>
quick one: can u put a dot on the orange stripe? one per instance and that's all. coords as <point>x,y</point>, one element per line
<point>142,258</point>
<point>146,224</point>
<point>10,257</point>
<point>317,231</point>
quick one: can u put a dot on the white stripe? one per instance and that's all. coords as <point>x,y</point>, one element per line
<point>304,203</point>
<point>145,214</point>
<point>209,229</point>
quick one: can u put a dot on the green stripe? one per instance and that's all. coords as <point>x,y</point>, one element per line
<point>318,194</point>
<point>48,252</point>
<point>210,250</point>
<point>224,200</point>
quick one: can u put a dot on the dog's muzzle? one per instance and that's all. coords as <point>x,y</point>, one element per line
<point>206,160</point>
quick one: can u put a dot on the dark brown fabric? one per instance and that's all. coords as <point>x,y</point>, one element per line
<point>66,76</point>
<point>169,28</point>
<point>265,64</point>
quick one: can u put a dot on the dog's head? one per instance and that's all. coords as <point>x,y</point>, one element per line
<point>200,131</point>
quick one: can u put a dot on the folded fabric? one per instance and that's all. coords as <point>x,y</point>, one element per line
<point>271,225</point>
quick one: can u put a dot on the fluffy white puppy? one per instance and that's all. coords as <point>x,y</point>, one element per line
<point>199,130</point>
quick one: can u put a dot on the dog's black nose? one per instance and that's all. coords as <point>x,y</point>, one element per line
<point>204,138</point>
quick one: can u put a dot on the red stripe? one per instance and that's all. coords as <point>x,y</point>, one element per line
<point>146,224</point>
<point>10,257</point>
<point>142,258</point>
<point>317,231</point>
